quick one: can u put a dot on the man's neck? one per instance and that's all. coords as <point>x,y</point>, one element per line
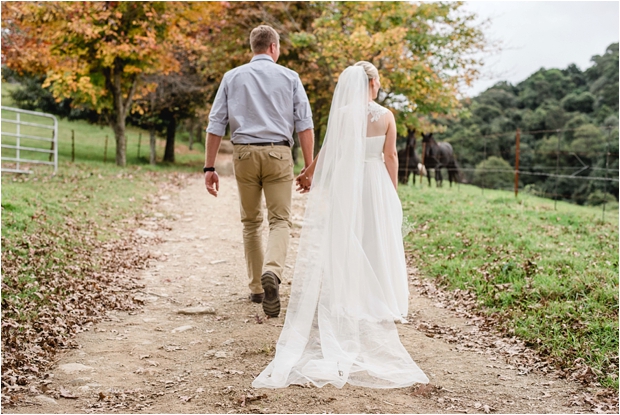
<point>264,54</point>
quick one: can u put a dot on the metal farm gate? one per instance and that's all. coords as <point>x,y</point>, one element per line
<point>23,136</point>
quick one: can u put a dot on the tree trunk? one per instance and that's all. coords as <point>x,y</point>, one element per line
<point>113,77</point>
<point>317,129</point>
<point>170,133</point>
<point>118,125</point>
<point>190,134</point>
<point>153,143</point>
<point>200,134</point>
<point>317,139</point>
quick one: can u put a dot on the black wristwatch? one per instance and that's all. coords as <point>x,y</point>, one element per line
<point>206,169</point>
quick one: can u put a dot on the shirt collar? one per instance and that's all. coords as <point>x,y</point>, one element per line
<point>262,57</point>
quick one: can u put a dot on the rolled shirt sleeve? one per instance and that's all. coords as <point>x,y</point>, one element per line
<point>218,117</point>
<point>302,113</point>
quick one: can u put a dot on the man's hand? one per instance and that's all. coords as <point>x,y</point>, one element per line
<point>303,181</point>
<point>212,182</point>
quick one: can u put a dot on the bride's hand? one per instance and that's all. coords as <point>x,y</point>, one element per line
<point>303,181</point>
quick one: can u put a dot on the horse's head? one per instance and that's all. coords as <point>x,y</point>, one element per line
<point>411,138</point>
<point>428,138</point>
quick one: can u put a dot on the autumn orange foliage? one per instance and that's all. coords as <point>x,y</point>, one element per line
<point>99,53</point>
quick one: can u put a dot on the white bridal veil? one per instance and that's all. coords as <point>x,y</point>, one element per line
<point>338,328</point>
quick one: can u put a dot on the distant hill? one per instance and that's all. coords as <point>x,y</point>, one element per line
<point>585,103</point>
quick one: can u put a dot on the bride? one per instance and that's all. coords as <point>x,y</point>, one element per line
<point>350,279</point>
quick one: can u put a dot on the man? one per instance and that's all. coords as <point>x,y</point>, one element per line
<point>263,102</point>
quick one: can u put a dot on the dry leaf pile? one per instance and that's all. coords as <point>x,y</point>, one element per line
<point>59,282</point>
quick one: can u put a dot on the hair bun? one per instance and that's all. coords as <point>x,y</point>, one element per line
<point>369,68</point>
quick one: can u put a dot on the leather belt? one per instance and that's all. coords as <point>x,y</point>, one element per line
<point>279,143</point>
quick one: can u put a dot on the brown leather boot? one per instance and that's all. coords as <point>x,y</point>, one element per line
<point>271,302</point>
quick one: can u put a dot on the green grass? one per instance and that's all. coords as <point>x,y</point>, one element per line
<point>90,142</point>
<point>86,193</point>
<point>549,276</point>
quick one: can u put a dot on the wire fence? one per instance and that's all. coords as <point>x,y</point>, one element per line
<point>575,165</point>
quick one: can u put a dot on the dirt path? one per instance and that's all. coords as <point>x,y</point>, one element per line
<point>159,361</point>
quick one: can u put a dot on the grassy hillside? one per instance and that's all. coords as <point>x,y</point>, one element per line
<point>549,276</point>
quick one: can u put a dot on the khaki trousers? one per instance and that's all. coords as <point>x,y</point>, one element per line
<point>267,169</point>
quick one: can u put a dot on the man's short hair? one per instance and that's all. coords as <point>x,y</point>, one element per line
<point>262,37</point>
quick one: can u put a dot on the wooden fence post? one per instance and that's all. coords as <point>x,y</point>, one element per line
<point>423,154</point>
<point>484,180</point>
<point>72,146</point>
<point>517,162</point>
<point>105,149</point>
<point>557,172</point>
<point>606,170</point>
<point>139,142</point>
<point>52,148</point>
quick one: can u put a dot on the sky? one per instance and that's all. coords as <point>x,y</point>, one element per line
<point>549,34</point>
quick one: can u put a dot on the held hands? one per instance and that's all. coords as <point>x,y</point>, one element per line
<point>212,182</point>
<point>304,180</point>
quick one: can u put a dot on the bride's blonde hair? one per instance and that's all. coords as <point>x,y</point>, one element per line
<point>371,70</point>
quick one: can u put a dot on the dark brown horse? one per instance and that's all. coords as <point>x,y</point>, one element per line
<point>439,156</point>
<point>408,161</point>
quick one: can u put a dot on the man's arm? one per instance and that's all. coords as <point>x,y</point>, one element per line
<point>212,180</point>
<point>212,148</point>
<point>305,131</point>
<point>218,119</point>
<point>302,116</point>
<point>306,141</point>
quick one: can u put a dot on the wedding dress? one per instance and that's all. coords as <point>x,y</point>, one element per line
<point>350,279</point>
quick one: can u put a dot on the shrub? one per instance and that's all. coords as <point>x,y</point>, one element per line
<point>599,197</point>
<point>494,173</point>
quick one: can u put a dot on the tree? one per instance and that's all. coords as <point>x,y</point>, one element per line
<point>30,95</point>
<point>603,77</point>
<point>175,97</point>
<point>582,105</point>
<point>583,102</point>
<point>494,173</point>
<point>423,50</point>
<point>98,53</point>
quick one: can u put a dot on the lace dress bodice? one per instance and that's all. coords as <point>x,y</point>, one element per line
<point>376,128</point>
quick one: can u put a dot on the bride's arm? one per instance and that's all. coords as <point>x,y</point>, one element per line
<point>390,154</point>
<point>304,180</point>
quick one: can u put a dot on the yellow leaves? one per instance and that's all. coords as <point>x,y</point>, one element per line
<point>132,69</point>
<point>420,49</point>
<point>86,87</point>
